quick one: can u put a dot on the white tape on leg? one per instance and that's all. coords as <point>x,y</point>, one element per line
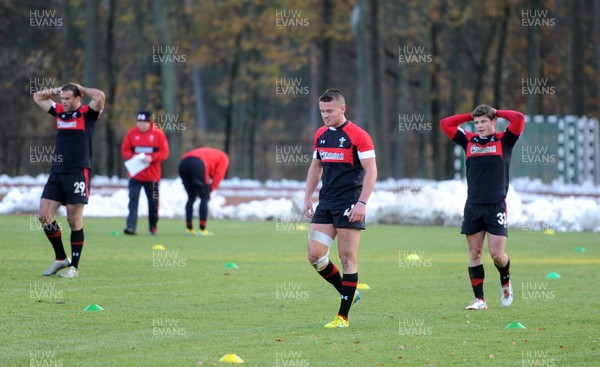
<point>322,262</point>
<point>320,237</point>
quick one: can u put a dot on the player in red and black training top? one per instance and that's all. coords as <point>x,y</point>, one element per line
<point>488,156</point>
<point>344,160</point>
<point>145,138</point>
<point>68,183</point>
<point>201,171</point>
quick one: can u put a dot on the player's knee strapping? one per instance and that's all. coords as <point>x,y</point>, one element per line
<point>325,240</point>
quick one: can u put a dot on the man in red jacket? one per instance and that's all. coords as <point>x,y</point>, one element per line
<point>201,171</point>
<point>149,140</point>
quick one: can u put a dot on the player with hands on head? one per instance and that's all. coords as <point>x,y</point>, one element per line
<point>487,158</point>
<point>68,183</point>
<point>344,161</point>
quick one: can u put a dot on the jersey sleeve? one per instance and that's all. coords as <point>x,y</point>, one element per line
<point>318,134</point>
<point>220,171</point>
<point>364,146</point>
<point>91,114</point>
<point>515,126</point>
<point>450,126</point>
<point>53,108</point>
<point>162,152</point>
<point>126,149</point>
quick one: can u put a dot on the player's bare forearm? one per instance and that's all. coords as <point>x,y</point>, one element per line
<point>370,167</point>
<point>312,181</point>
<point>43,98</point>
<point>97,96</point>
<point>312,178</point>
<point>358,212</point>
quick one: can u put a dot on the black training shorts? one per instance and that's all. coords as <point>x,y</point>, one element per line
<point>340,218</point>
<point>68,188</point>
<point>488,217</point>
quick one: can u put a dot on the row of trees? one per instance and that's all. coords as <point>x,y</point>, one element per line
<point>245,76</point>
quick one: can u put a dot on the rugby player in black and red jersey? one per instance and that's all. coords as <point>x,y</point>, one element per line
<point>344,160</point>
<point>488,156</point>
<point>68,183</point>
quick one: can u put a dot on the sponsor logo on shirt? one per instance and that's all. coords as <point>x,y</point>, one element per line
<point>483,150</point>
<point>66,124</point>
<point>331,156</point>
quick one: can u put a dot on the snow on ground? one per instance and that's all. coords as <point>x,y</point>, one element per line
<point>532,205</point>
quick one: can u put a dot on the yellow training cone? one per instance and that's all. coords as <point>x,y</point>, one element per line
<point>549,232</point>
<point>158,247</point>
<point>413,257</point>
<point>362,286</point>
<point>231,358</point>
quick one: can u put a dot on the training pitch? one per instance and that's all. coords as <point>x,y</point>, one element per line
<point>250,291</point>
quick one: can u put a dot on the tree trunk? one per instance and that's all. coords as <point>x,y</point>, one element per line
<point>326,46</point>
<point>597,48</point>
<point>378,122</point>
<point>455,62</point>
<point>201,123</point>
<point>435,142</point>
<point>533,61</point>
<point>362,104</point>
<point>499,67</point>
<point>141,55</point>
<point>111,64</point>
<point>169,84</point>
<point>314,89</point>
<point>402,99</point>
<point>233,73</point>
<point>577,60</point>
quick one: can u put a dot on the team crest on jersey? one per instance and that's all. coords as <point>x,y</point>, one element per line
<point>69,115</point>
<point>341,140</point>
<point>151,137</point>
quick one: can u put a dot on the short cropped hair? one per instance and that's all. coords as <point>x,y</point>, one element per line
<point>73,88</point>
<point>333,95</point>
<point>484,110</point>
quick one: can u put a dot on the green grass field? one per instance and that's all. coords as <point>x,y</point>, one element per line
<point>183,307</point>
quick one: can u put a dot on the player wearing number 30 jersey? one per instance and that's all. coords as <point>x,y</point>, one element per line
<point>488,156</point>
<point>68,183</point>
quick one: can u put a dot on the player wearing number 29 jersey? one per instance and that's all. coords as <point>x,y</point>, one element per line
<point>74,131</point>
<point>488,156</point>
<point>68,183</point>
<point>69,179</point>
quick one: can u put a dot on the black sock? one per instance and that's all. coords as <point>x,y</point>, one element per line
<point>203,224</point>
<point>349,283</point>
<point>76,246</point>
<point>188,224</point>
<point>477,275</point>
<point>332,275</point>
<point>54,235</point>
<point>504,273</point>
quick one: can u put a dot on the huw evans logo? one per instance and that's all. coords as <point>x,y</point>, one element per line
<point>291,18</point>
<point>413,55</point>
<point>537,18</point>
